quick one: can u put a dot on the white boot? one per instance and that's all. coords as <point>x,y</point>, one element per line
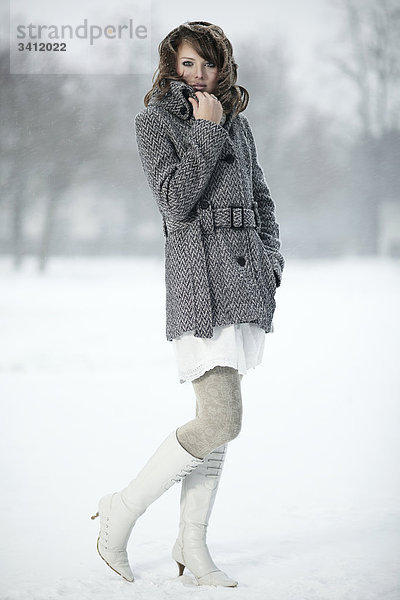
<point>197,499</point>
<point>119,511</point>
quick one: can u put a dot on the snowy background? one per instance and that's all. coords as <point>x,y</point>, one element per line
<point>308,507</point>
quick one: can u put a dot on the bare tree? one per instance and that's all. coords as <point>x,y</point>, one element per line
<point>370,59</point>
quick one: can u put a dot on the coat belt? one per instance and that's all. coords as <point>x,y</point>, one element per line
<point>234,216</point>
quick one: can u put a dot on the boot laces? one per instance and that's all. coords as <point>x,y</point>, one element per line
<point>188,469</point>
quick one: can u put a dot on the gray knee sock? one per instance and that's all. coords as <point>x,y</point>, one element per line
<point>218,412</point>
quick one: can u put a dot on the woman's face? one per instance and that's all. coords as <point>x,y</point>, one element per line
<point>196,71</point>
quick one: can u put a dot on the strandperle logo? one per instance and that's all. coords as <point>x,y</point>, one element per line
<point>82,32</point>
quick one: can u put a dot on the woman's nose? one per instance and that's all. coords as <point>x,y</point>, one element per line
<point>200,72</point>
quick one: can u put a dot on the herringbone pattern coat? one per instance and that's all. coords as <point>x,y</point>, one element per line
<point>214,275</point>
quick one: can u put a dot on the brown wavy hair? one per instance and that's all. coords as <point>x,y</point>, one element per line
<point>212,45</point>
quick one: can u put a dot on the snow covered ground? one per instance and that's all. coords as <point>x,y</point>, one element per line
<point>308,507</point>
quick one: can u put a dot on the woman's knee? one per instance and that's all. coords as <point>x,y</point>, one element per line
<point>209,431</point>
<point>218,411</point>
<point>231,428</point>
<point>214,436</point>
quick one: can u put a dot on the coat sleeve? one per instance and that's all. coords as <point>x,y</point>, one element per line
<point>177,183</point>
<point>270,233</point>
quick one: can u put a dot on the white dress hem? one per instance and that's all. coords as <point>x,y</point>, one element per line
<point>239,345</point>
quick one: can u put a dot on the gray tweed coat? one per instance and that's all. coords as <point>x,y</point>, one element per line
<point>222,265</point>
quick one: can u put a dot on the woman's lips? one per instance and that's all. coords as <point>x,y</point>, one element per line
<point>199,87</point>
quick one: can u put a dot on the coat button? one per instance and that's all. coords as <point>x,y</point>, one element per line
<point>229,158</point>
<point>204,204</point>
<point>182,110</point>
<point>241,260</point>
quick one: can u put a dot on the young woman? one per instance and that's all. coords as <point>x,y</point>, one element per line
<point>222,268</point>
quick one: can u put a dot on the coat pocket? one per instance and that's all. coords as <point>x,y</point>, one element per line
<point>263,266</point>
<point>271,265</point>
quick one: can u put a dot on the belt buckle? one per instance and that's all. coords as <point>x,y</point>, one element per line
<point>241,226</point>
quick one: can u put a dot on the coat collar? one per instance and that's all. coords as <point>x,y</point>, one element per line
<point>176,101</point>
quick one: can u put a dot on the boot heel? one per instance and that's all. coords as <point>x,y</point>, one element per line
<point>94,516</point>
<point>180,567</point>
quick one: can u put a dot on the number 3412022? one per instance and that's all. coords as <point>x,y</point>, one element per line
<point>43,47</point>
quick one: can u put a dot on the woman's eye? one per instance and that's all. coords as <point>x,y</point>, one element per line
<point>188,63</point>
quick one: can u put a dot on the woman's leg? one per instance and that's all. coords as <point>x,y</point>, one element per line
<point>218,402</point>
<point>197,402</point>
<point>171,462</point>
<point>218,412</point>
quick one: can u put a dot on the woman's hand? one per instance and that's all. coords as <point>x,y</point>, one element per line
<point>207,107</point>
